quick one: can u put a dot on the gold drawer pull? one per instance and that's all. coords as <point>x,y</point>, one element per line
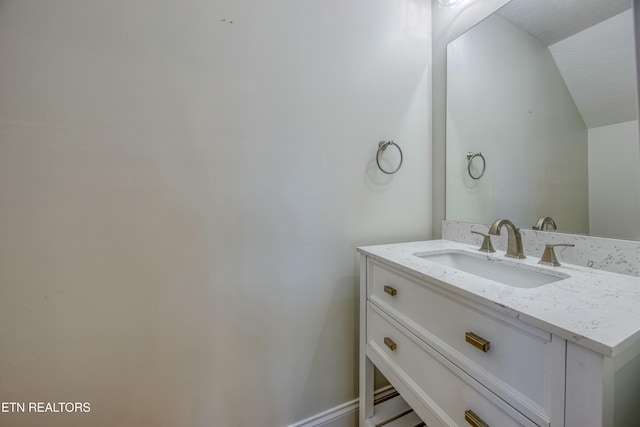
<point>389,343</point>
<point>477,341</point>
<point>390,290</point>
<point>473,419</point>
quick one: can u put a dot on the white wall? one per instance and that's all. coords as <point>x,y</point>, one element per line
<point>506,98</point>
<point>181,198</point>
<point>614,174</point>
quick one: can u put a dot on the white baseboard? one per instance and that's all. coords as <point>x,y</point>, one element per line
<point>340,411</point>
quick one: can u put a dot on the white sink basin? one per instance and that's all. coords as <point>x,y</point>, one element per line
<point>503,271</point>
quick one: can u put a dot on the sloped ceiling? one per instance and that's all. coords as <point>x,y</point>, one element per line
<point>592,44</point>
<point>598,68</point>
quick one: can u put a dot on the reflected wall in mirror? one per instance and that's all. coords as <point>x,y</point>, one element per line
<point>546,91</point>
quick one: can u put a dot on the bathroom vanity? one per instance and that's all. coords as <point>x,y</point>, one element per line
<point>530,346</point>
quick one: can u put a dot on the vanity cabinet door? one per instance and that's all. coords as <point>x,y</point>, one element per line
<point>452,396</point>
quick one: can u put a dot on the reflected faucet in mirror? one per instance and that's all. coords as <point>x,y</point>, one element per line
<point>514,238</point>
<point>545,223</point>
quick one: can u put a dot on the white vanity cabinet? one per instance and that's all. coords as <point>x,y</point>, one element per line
<point>458,362</point>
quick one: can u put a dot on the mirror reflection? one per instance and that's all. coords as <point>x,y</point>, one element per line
<point>546,92</point>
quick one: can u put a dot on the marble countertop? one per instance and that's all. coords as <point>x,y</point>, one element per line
<point>595,309</point>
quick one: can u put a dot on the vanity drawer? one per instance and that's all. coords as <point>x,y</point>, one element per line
<point>450,392</point>
<point>516,362</point>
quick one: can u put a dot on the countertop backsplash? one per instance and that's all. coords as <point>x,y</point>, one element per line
<point>617,256</point>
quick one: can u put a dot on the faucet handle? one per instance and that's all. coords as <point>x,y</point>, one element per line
<point>486,242</point>
<point>549,255</point>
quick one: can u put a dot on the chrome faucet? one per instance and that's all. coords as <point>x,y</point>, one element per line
<point>547,222</point>
<point>514,240</point>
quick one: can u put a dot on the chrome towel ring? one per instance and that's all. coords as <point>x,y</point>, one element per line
<point>382,145</point>
<point>470,157</point>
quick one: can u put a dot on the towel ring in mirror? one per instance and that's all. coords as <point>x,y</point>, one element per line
<point>470,157</point>
<point>382,145</point>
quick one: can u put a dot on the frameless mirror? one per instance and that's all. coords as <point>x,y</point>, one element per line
<point>546,91</point>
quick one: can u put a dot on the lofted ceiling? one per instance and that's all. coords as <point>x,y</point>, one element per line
<point>592,43</point>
